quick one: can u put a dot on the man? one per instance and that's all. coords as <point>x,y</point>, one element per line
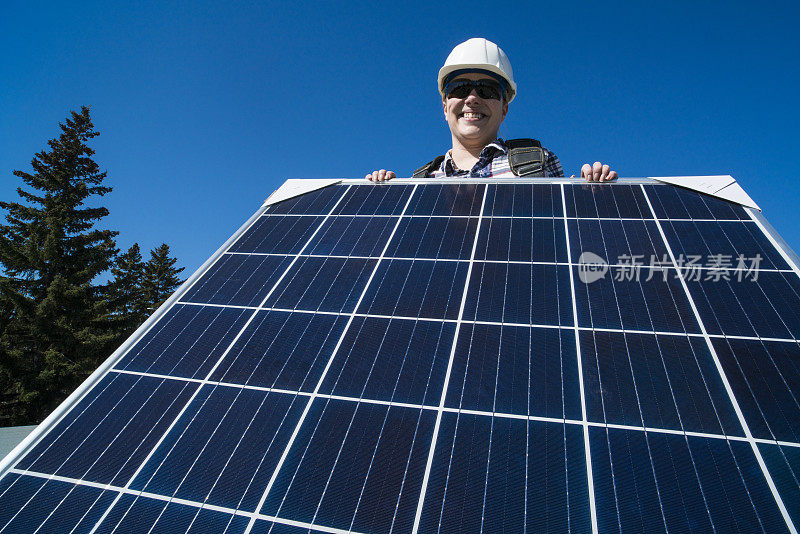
<point>477,84</point>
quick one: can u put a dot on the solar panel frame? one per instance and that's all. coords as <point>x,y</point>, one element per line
<point>755,444</point>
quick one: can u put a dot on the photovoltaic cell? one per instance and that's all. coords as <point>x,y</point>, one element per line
<point>352,236</point>
<point>768,306</point>
<point>141,514</point>
<point>427,356</point>
<point>738,244</point>
<point>110,432</point>
<point>238,280</point>
<point>765,377</point>
<point>516,370</point>
<point>187,342</point>
<point>393,360</point>
<point>506,475</point>
<point>519,293</point>
<point>282,350</point>
<point>33,503</point>
<point>680,203</point>
<point>357,466</point>
<point>650,482</point>
<point>655,381</point>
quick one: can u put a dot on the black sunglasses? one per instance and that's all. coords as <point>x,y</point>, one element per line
<point>486,89</point>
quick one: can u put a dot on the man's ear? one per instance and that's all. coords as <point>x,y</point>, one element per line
<point>505,108</point>
<point>444,108</point>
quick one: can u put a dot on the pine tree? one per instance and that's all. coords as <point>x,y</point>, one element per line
<point>57,323</point>
<point>125,292</point>
<point>160,278</point>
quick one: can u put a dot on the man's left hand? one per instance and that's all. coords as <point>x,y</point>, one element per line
<point>598,172</point>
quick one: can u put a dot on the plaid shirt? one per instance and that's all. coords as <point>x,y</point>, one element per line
<point>493,163</point>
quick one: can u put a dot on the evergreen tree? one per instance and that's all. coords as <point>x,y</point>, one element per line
<point>125,292</point>
<point>160,278</point>
<point>56,319</point>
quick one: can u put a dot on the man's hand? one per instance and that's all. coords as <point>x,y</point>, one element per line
<point>383,175</point>
<point>598,172</point>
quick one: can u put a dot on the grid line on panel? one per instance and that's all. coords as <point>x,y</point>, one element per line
<point>504,415</point>
<point>211,371</point>
<point>438,422</point>
<point>516,262</point>
<point>523,217</point>
<point>315,393</point>
<point>584,419</point>
<point>507,323</point>
<point>186,502</point>
<point>726,383</point>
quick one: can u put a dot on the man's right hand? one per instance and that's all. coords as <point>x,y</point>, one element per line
<point>380,176</point>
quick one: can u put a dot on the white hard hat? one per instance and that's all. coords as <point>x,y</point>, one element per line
<point>480,54</point>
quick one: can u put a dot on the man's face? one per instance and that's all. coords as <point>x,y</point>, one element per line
<point>474,120</point>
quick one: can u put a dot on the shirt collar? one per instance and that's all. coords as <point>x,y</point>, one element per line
<point>497,145</point>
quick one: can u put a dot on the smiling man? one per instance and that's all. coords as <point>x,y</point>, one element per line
<point>477,84</point>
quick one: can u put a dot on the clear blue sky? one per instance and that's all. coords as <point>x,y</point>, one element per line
<point>204,108</point>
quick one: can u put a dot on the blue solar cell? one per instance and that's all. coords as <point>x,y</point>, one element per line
<point>268,527</point>
<point>727,240</point>
<point>317,202</point>
<point>224,448</point>
<point>111,431</point>
<point>374,199</point>
<point>353,236</point>
<point>539,200</point>
<point>450,199</point>
<point>322,284</point>
<point>277,234</point>
<point>618,242</point>
<point>187,341</point>
<point>765,305</point>
<point>519,293</point>
<point>354,466</point>
<point>392,360</point>
<point>30,501</point>
<point>602,200</point>
<point>784,467</point>
<point>516,370</point>
<point>651,482</point>
<point>659,381</point>
<point>435,237</point>
<point>238,280</point>
<point>671,202</point>
<point>765,378</point>
<point>506,475</point>
<point>136,514</point>
<point>540,240</point>
<point>282,350</point>
<point>427,289</point>
<point>658,304</point>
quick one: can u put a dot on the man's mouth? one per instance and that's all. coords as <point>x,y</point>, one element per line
<point>473,115</point>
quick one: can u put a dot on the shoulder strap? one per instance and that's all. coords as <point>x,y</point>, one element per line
<point>423,171</point>
<point>526,157</point>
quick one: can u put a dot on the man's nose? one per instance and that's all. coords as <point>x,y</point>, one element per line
<point>472,96</point>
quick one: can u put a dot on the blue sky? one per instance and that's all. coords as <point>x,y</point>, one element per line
<point>204,108</point>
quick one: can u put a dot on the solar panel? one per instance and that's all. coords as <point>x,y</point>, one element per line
<point>447,356</point>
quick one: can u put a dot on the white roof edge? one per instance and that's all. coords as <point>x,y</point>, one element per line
<point>721,186</point>
<point>297,186</point>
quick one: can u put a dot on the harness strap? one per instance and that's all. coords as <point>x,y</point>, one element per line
<point>525,157</point>
<point>423,171</point>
